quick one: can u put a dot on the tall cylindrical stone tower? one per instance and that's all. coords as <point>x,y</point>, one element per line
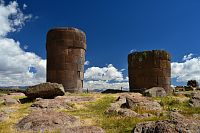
<point>65,57</point>
<point>149,69</point>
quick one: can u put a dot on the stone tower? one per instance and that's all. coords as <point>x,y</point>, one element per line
<point>149,69</point>
<point>65,57</point>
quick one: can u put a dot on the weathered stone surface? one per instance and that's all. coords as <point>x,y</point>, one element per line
<point>45,90</point>
<point>49,120</point>
<point>126,103</point>
<point>195,99</point>
<point>51,104</point>
<point>60,102</point>
<point>3,116</point>
<point>143,103</point>
<point>127,112</point>
<point>10,101</point>
<point>65,57</point>
<point>148,69</point>
<point>75,99</point>
<point>155,92</point>
<point>84,129</point>
<point>177,124</point>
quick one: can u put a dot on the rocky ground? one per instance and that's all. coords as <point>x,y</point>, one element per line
<point>101,113</point>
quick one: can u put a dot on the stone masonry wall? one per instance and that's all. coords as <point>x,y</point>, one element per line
<point>149,69</point>
<point>65,57</point>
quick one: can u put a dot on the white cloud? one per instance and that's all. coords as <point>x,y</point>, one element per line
<point>188,57</point>
<point>187,70</point>
<point>107,73</point>
<point>87,63</point>
<point>107,77</point>
<point>14,62</point>
<point>25,47</point>
<point>11,18</point>
<point>105,85</point>
<point>24,6</point>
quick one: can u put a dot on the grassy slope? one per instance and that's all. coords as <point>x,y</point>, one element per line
<point>92,113</point>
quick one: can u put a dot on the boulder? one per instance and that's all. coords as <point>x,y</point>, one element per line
<point>10,101</point>
<point>128,103</point>
<point>155,92</point>
<point>143,103</point>
<point>47,120</point>
<point>127,112</point>
<point>195,99</point>
<point>45,90</point>
<point>177,124</point>
<point>84,129</point>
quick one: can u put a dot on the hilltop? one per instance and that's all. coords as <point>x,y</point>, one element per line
<point>97,112</point>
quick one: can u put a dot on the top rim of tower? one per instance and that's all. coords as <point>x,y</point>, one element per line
<point>157,53</point>
<point>66,29</point>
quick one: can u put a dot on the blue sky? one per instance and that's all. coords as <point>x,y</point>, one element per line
<point>114,28</point>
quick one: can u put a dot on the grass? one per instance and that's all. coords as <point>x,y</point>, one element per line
<point>172,103</point>
<point>21,111</point>
<point>95,113</point>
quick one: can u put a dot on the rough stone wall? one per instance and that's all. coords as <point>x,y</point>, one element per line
<point>65,57</point>
<point>149,69</point>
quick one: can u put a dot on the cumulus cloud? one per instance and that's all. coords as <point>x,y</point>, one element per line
<point>24,6</point>
<point>107,77</point>
<point>108,73</point>
<point>15,63</point>
<point>187,70</point>
<point>187,57</point>
<point>87,63</point>
<point>11,18</point>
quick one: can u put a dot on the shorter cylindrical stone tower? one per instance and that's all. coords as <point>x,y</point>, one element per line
<point>65,57</point>
<point>149,69</point>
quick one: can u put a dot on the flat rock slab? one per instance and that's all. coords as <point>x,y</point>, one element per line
<point>177,124</point>
<point>84,129</point>
<point>45,90</point>
<point>60,102</point>
<point>76,99</point>
<point>10,101</point>
<point>51,104</point>
<point>47,120</point>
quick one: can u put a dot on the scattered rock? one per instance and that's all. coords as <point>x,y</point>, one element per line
<point>177,124</point>
<point>61,102</point>
<point>47,120</point>
<point>75,99</point>
<point>3,116</point>
<point>143,103</point>
<point>45,90</point>
<point>10,101</point>
<point>84,129</point>
<point>155,92</point>
<point>126,103</point>
<point>127,112</point>
<point>195,99</point>
<point>51,104</point>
